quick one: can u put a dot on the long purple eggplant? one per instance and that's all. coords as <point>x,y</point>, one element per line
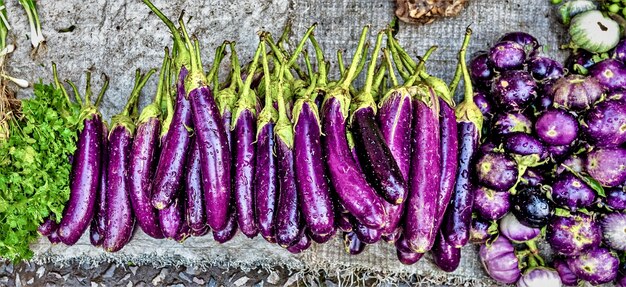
<point>244,129</point>
<point>408,258</point>
<point>365,234</point>
<point>354,192</point>
<point>352,244</point>
<point>228,232</point>
<point>445,256</point>
<point>47,227</point>
<point>119,212</point>
<point>172,218</point>
<point>145,152</point>
<point>288,212</point>
<point>86,167</point>
<point>215,155</point>
<point>456,225</point>
<point>99,222</point>
<point>194,209</point>
<point>322,238</point>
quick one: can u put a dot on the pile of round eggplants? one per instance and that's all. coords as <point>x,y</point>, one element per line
<point>551,165</point>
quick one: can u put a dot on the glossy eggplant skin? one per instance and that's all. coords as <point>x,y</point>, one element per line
<point>141,172</point>
<point>119,212</point>
<point>354,193</point>
<point>194,211</point>
<point>449,159</point>
<point>302,243</point>
<point>425,173</point>
<point>171,219</point>
<point>47,227</point>
<point>84,182</point>
<point>445,256</point>
<point>215,156</point>
<point>244,165</point>
<point>226,234</point>
<point>352,244</point>
<point>169,173</point>
<point>313,187</point>
<point>99,223</point>
<point>288,212</point>
<point>456,225</point>
<point>379,165</point>
<point>408,258</point>
<point>266,183</point>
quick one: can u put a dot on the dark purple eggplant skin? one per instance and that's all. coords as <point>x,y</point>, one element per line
<point>514,90</point>
<point>352,244</point>
<point>54,237</point>
<point>266,183</point>
<point>424,176</point>
<point>183,233</point>
<point>215,156</point>
<point>495,170</point>
<point>365,234</point>
<point>84,182</point>
<point>408,257</point>
<point>619,52</point>
<point>483,103</point>
<point>507,55</point>
<point>379,165</point>
<point>227,118</point>
<point>568,278</point>
<point>355,194</point>
<point>531,207</point>
<point>313,186</point>
<point>556,127</point>
<point>506,123</point>
<point>479,233</point>
<point>490,204</point>
<point>532,177</point>
<point>226,234</point>
<point>343,222</point>
<point>322,238</point>
<point>200,232</point>
<point>244,164</point>
<point>576,92</point>
<point>571,192</point>
<point>288,211</point>
<point>605,124</point>
<point>545,69</point>
<point>456,225</point>
<point>449,139</point>
<point>525,144</point>
<point>99,222</point>
<point>171,219</point>
<point>303,243</point>
<point>480,69</point>
<point>580,61</point>
<point>169,173</point>
<point>119,212</point>
<point>558,152</point>
<point>194,211</point>
<point>393,236</point>
<point>610,73</point>
<point>616,199</point>
<point>47,227</point>
<point>141,175</point>
<point>445,256</point>
<point>95,237</point>
<point>528,42</point>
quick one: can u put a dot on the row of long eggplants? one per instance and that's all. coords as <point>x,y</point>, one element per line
<point>280,151</point>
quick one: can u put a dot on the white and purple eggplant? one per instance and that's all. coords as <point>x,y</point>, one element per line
<point>576,92</point>
<point>539,276</point>
<point>500,261</point>
<point>607,165</point>
<point>568,278</point>
<point>614,230</point>
<point>515,231</point>
<point>616,199</point>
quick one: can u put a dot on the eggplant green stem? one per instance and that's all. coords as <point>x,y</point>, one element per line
<point>103,90</point>
<point>340,63</point>
<point>349,76</point>
<point>300,46</point>
<point>213,71</point>
<point>76,93</point>
<point>235,80</point>
<point>279,55</point>
<point>266,77</point>
<point>309,67</point>
<point>165,70</point>
<point>322,79</point>
<point>378,79</point>
<point>458,73</point>
<point>396,58</point>
<point>468,111</point>
<point>392,73</point>
<point>140,82</point>
<point>371,70</point>
<point>469,91</point>
<point>195,78</point>
<point>182,56</point>
<point>58,84</point>
<point>250,78</point>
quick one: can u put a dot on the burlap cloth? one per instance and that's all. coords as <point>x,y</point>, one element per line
<point>117,37</point>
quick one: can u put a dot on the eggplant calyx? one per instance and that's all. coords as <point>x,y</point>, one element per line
<point>247,98</point>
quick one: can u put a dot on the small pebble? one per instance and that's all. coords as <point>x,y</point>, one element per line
<point>241,281</point>
<point>184,277</point>
<point>130,284</point>
<point>30,281</point>
<point>159,278</point>
<point>18,281</point>
<point>40,271</point>
<point>198,281</point>
<point>212,283</point>
<point>125,278</point>
<point>291,281</point>
<point>273,278</point>
<point>133,269</point>
<point>110,272</point>
<point>94,284</point>
<point>4,281</point>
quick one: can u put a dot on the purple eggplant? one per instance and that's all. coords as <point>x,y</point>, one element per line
<point>353,190</point>
<point>616,199</point>
<point>528,42</point>
<point>119,211</point>
<point>614,230</point>
<point>531,207</point>
<point>557,127</point>
<point>506,123</point>
<point>322,238</point>
<point>143,163</point>
<point>540,276</point>
<point>575,163</point>
<point>507,55</point>
<point>183,233</point>
<point>86,169</point>
<point>303,243</point>
<point>571,235</point>
<point>47,227</point>
<point>619,52</point>
<point>607,166</point>
<point>490,204</point>
<point>499,260</point>
<point>532,177</point>
<point>194,209</point>
<point>497,171</point>
<point>482,230</point>
<point>597,265</point>
<point>445,256</point>
<point>545,69</point>
<point>515,231</point>
<point>523,144</point>
<point>514,90</point>
<point>580,61</point>
<point>228,232</point>
<point>576,92</point>
<point>480,68</point>
<point>610,73</point>
<point>558,152</point>
<point>449,157</point>
<point>352,244</point>
<point>571,192</point>
<point>408,258</point>
<point>621,277</point>
<point>568,278</point>
<point>99,222</point>
<point>200,232</point>
<point>343,221</point>
<point>483,103</point>
<point>172,218</point>
<point>54,237</point>
<point>605,124</point>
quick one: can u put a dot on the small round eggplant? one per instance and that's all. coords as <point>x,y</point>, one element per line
<point>532,177</point>
<point>525,145</point>
<point>571,235</point>
<point>507,55</point>
<point>579,62</point>
<point>568,278</point>
<point>576,92</point>
<point>528,42</point>
<point>605,124</point>
<point>571,192</point>
<point>483,103</point>
<point>573,162</point>
<point>514,90</point>
<point>616,199</point>
<point>614,230</point>
<point>490,204</point>
<point>499,261</point>
<point>556,127</point>
<point>545,69</point>
<point>480,231</point>
<point>619,52</point>
<point>540,276</point>
<point>515,231</point>
<point>531,207</point>
<point>594,31</point>
<point>607,165</point>
<point>610,73</point>
<point>597,265</point>
<point>507,123</point>
<point>497,171</point>
<point>480,69</point>
<point>558,152</point>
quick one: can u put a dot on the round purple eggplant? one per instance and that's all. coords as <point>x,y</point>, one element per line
<point>616,95</point>
<point>597,265</point>
<point>490,204</point>
<point>483,103</point>
<point>527,41</point>
<point>580,61</point>
<point>481,231</point>
<point>614,230</point>
<point>571,192</point>
<point>497,171</point>
<point>507,55</point>
<point>480,69</point>
<point>607,165</point>
<point>515,231</point>
<point>558,152</point>
<point>525,145</point>
<point>616,199</point>
<point>532,177</point>
<point>568,278</point>
<point>610,73</point>
<point>576,92</point>
<point>545,69</point>
<point>556,127</point>
<point>571,235</point>
<point>605,124</point>
<point>531,207</point>
<point>499,261</point>
<point>514,90</point>
<point>540,276</point>
<point>619,52</point>
<point>574,162</point>
<point>506,123</point>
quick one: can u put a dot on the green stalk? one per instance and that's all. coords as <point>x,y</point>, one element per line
<point>322,79</point>
<point>59,86</point>
<point>153,110</point>
<point>195,78</point>
<point>36,37</point>
<point>468,111</point>
<point>4,26</point>
<point>181,52</point>
<point>394,53</point>
<point>125,118</point>
<point>217,60</point>
<point>392,74</point>
<point>347,78</point>
<point>247,97</point>
<point>342,67</point>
